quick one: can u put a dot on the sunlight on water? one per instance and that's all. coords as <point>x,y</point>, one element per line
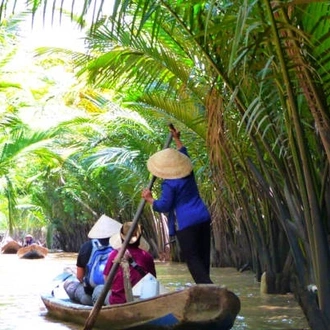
<point>22,281</point>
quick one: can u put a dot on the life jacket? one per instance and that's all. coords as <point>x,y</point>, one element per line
<point>96,264</point>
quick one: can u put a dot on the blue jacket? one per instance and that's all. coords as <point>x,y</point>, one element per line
<point>181,200</point>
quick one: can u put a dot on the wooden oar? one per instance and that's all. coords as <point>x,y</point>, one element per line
<point>99,303</point>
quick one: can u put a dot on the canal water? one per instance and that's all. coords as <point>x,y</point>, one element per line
<point>22,281</point>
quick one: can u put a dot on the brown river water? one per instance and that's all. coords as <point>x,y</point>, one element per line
<point>22,281</point>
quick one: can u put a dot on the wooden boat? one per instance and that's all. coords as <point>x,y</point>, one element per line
<point>202,306</point>
<point>33,251</point>
<point>10,247</point>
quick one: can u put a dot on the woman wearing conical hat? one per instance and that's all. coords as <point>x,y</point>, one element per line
<point>80,287</point>
<point>139,263</point>
<point>188,216</point>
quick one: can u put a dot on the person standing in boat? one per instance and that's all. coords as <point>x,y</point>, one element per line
<point>188,217</point>
<point>78,287</point>
<point>28,240</point>
<point>137,262</point>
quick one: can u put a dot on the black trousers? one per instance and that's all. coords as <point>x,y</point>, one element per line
<point>195,244</point>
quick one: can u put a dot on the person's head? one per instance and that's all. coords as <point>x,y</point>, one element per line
<point>136,235</point>
<point>104,227</point>
<point>136,238</point>
<point>169,164</point>
<point>28,238</point>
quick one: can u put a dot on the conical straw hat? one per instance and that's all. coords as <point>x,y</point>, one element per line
<point>104,227</point>
<point>116,240</point>
<point>169,164</point>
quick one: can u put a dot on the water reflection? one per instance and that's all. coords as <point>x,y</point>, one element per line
<point>22,281</point>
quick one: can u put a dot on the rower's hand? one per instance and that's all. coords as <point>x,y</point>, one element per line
<point>175,133</point>
<point>147,195</point>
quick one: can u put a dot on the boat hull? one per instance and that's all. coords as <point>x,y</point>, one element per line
<point>32,251</point>
<point>198,307</point>
<point>10,247</point>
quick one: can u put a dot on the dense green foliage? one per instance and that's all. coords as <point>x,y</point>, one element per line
<point>250,81</point>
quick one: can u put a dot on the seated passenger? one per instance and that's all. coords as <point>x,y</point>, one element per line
<point>28,240</point>
<point>140,262</point>
<point>91,260</point>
